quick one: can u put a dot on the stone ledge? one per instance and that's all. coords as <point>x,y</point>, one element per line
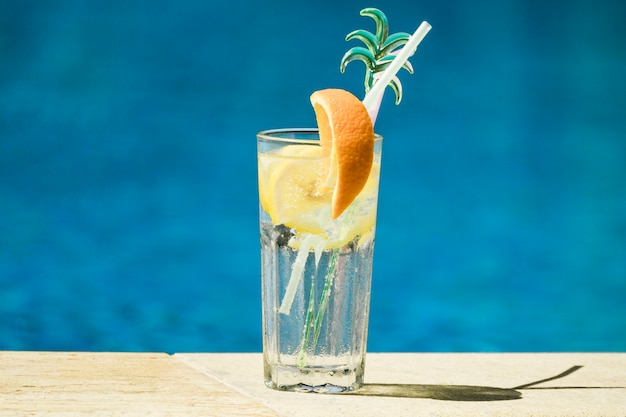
<point>230,384</point>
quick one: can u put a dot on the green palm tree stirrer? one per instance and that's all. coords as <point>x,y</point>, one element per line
<point>382,58</point>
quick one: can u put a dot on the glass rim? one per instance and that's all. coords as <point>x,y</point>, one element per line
<point>277,135</point>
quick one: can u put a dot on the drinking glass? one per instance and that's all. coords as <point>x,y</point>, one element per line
<point>316,271</point>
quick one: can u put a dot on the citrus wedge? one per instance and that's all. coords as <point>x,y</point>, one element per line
<point>291,193</point>
<point>347,138</point>
<point>358,220</point>
<point>280,161</point>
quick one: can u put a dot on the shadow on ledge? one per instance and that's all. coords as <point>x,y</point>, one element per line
<point>439,392</point>
<point>454,392</point>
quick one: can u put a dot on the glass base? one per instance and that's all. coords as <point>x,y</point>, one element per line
<point>323,380</point>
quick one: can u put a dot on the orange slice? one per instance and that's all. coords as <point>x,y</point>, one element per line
<point>347,137</point>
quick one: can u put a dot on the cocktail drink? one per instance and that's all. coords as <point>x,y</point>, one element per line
<point>316,270</point>
<point>318,192</point>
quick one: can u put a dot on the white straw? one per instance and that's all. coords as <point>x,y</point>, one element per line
<point>297,270</point>
<point>372,99</point>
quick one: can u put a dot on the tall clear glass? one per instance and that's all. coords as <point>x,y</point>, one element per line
<point>316,272</point>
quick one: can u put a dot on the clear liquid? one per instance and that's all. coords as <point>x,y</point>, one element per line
<point>318,342</point>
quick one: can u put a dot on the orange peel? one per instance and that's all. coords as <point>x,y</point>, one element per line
<point>347,138</point>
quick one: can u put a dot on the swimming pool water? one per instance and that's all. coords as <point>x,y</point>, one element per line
<point>128,205</point>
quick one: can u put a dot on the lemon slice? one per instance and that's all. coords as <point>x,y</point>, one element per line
<point>268,163</point>
<point>359,220</point>
<point>292,195</point>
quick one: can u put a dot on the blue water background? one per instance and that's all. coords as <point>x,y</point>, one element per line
<point>128,201</point>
